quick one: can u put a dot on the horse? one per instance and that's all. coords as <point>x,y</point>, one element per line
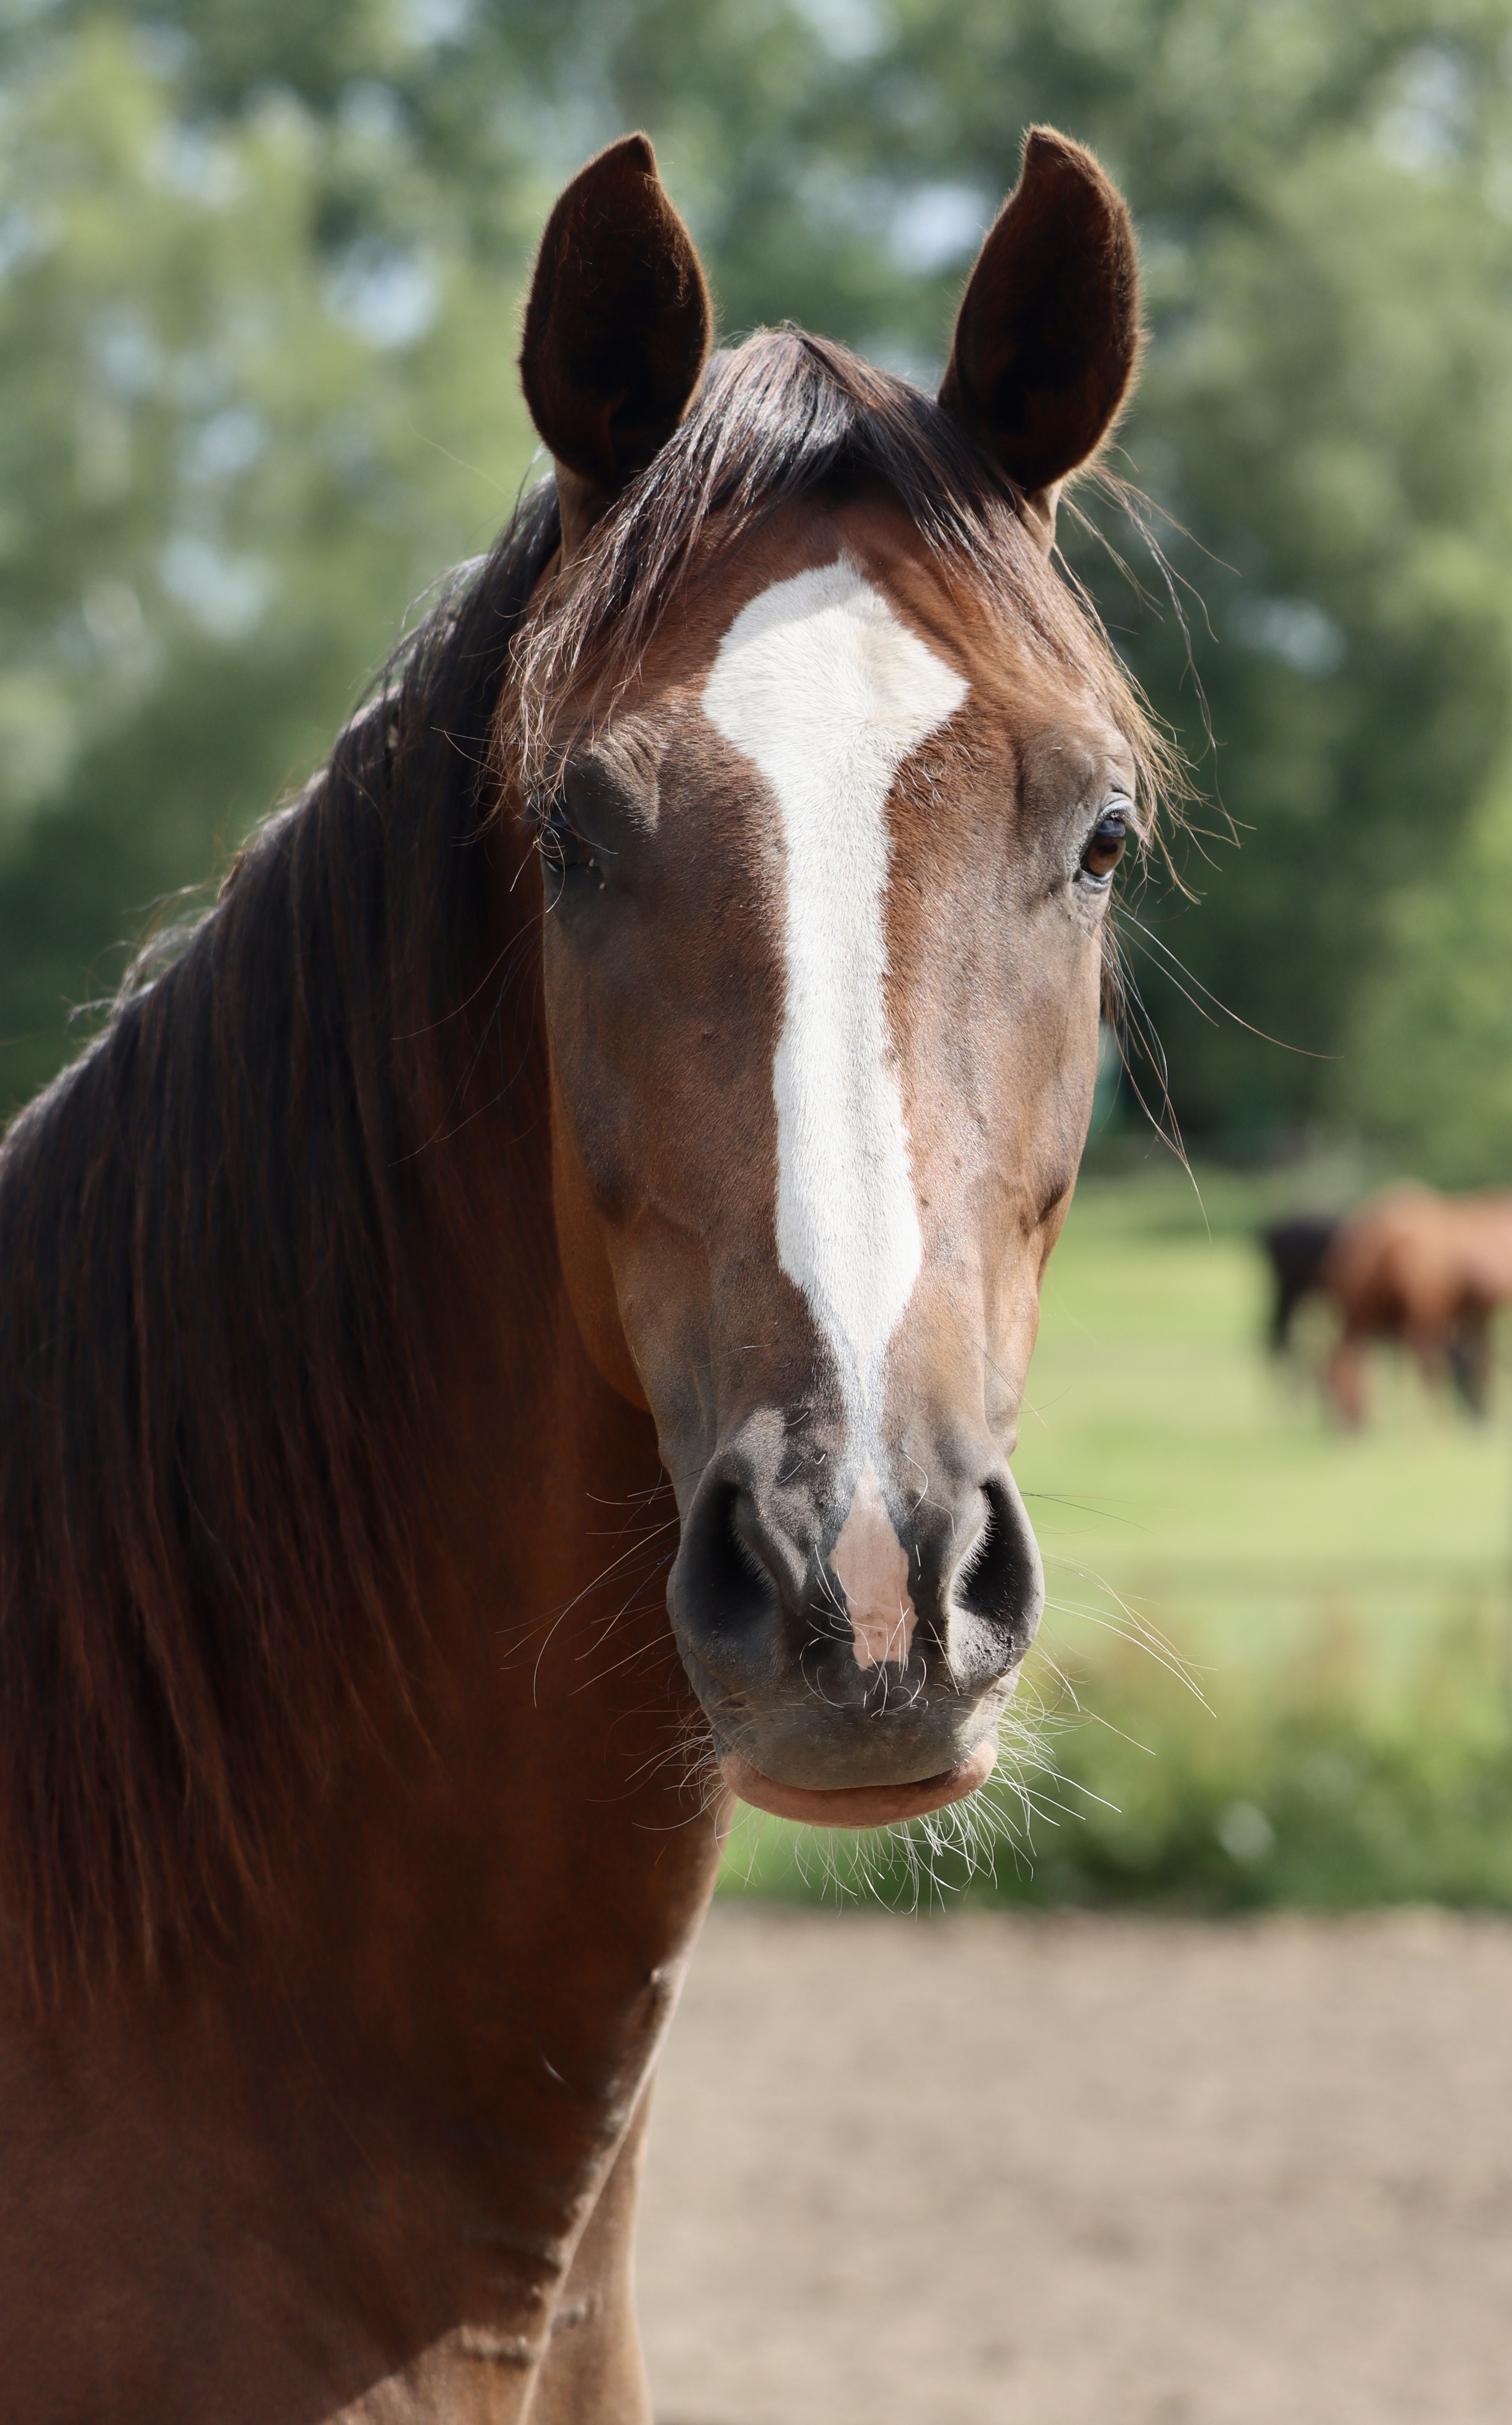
<point>510,1339</point>
<point>1426,1269</point>
<point>1295,1250</point>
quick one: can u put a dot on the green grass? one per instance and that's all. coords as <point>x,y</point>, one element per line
<point>1340,1603</point>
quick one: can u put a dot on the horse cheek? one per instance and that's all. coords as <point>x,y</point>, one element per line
<point>586,1266</point>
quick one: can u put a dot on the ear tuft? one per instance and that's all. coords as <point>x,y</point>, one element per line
<point>1047,331</point>
<point>619,323</point>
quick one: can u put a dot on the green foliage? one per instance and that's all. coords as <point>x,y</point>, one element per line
<point>1299,1795</point>
<point>229,457</point>
<point>1336,412</point>
<point>261,267</point>
<point>1432,1041</point>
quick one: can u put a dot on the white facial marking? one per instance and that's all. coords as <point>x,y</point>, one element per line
<point>826,692</point>
<point>873,1566</point>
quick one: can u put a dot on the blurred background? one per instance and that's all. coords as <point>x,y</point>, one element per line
<point>261,266</point>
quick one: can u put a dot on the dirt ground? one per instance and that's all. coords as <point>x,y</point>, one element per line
<point>986,2170</point>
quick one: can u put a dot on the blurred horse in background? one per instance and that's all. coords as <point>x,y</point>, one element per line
<point>1296,1249</point>
<point>1427,1270</point>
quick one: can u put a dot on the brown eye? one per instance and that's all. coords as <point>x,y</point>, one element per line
<point>1104,850</point>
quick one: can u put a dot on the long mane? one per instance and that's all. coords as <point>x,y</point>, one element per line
<point>211,1373</point>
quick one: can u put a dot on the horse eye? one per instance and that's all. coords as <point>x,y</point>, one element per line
<point>562,846</point>
<point>1104,850</point>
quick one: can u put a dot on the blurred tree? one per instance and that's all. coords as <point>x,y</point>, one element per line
<point>230,453</point>
<point>278,248</point>
<point>1324,199</point>
<point>1431,1042</point>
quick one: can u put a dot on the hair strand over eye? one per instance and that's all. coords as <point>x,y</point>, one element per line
<point>562,846</point>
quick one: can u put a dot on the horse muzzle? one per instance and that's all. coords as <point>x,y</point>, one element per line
<point>853,1653</point>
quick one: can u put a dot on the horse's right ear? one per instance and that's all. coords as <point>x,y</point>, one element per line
<point>1049,327</point>
<point>616,330</point>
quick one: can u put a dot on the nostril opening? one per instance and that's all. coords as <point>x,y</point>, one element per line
<point>725,1577</point>
<point>1000,1579</point>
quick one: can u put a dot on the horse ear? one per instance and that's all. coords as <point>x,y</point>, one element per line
<point>1048,331</point>
<point>616,330</point>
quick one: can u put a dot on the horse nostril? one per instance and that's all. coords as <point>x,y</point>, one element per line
<point>1000,1579</point>
<point>724,1578</point>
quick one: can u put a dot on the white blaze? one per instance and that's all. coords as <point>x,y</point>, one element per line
<point>826,692</point>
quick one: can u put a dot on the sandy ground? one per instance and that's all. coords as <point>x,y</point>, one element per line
<point>985,2170</point>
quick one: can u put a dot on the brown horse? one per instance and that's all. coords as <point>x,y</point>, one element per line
<point>1428,1270</point>
<point>663,1036</point>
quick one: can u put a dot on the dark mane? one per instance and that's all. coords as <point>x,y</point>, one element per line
<point>210,1375</point>
<point>779,419</point>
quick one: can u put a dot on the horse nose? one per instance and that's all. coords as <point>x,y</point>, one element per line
<point>770,1574</point>
<point>980,1561</point>
<point>739,1576</point>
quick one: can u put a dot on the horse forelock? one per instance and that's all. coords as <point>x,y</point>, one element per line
<point>781,419</point>
<point>214,1378</point>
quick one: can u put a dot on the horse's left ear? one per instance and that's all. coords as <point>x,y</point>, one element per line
<point>616,330</point>
<point>1048,331</point>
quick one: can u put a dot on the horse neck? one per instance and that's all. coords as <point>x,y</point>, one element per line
<point>496,1923</point>
<point>413,2065</point>
<point>509,1873</point>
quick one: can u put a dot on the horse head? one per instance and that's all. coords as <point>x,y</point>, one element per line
<point>830,774</point>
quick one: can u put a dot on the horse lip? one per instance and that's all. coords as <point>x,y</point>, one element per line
<point>857,1806</point>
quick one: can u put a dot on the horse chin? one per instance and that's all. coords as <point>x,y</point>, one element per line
<point>859,1806</point>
